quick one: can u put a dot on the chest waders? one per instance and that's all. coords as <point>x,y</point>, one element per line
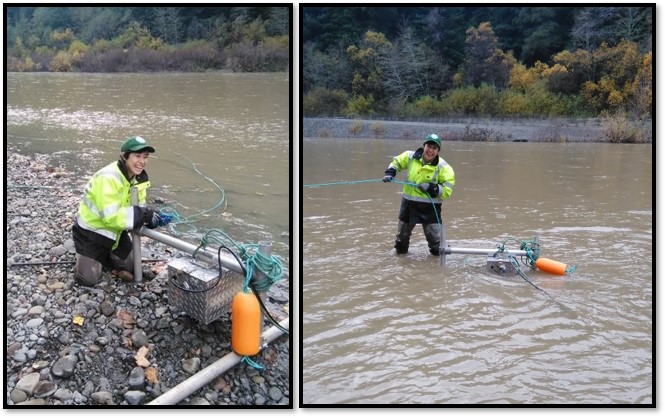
<point>413,212</point>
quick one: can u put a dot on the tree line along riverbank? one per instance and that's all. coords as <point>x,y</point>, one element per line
<point>147,39</point>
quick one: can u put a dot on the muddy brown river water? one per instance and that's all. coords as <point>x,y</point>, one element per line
<point>382,329</point>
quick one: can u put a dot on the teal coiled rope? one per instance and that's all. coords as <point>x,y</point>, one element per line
<point>254,260</point>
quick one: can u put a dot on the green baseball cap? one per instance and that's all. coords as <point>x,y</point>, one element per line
<point>135,144</point>
<point>433,138</point>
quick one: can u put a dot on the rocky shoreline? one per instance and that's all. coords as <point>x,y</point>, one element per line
<point>118,343</point>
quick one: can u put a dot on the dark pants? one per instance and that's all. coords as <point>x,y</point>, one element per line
<point>93,251</point>
<point>89,270</point>
<point>403,237</point>
<point>412,213</point>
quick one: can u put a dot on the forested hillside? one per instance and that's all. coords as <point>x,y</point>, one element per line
<point>128,39</point>
<point>450,61</point>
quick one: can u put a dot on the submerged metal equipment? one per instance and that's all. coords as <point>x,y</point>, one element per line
<point>199,290</point>
<point>499,260</point>
<point>501,263</point>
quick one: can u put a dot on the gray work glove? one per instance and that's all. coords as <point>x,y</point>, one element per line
<point>389,175</point>
<point>430,188</point>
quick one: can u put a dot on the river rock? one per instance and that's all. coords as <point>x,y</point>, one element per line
<point>275,393</point>
<point>18,313</point>
<point>57,251</point>
<point>107,308</point>
<point>191,365</point>
<point>63,394</point>
<point>34,323</point>
<point>36,311</point>
<point>18,396</point>
<point>134,397</point>
<point>102,398</point>
<point>198,401</point>
<point>32,402</point>
<point>28,383</point>
<point>64,367</point>
<point>45,388</point>
<point>137,378</point>
<point>139,338</point>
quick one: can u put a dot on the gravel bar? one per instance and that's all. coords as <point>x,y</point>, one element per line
<point>71,345</point>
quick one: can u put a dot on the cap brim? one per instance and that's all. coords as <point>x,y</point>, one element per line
<point>142,148</point>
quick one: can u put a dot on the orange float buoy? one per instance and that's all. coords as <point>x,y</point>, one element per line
<point>551,266</point>
<point>245,324</point>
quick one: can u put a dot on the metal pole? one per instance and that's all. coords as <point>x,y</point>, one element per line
<point>136,239</point>
<point>227,260</point>
<point>442,244</point>
<point>481,251</point>
<point>196,382</point>
<point>265,249</point>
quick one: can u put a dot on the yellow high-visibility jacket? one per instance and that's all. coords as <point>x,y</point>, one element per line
<point>438,171</point>
<point>105,208</point>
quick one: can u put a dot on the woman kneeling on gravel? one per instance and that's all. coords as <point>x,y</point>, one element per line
<point>106,214</point>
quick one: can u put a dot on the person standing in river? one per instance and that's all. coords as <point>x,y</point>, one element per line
<point>421,204</point>
<point>105,215</point>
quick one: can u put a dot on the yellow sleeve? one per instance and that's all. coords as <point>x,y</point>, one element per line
<point>447,180</point>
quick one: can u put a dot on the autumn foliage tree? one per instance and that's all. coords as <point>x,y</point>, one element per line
<point>641,89</point>
<point>367,84</point>
<point>485,62</point>
<point>575,61</point>
<point>570,71</point>
<point>619,69</point>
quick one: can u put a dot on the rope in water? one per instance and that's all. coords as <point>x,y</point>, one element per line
<point>178,220</point>
<point>344,182</point>
<point>514,261</point>
<point>271,266</point>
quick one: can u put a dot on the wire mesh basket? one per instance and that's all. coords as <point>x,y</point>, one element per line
<point>200,291</point>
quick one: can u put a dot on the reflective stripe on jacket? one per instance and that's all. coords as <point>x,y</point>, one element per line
<point>439,172</point>
<point>106,208</point>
